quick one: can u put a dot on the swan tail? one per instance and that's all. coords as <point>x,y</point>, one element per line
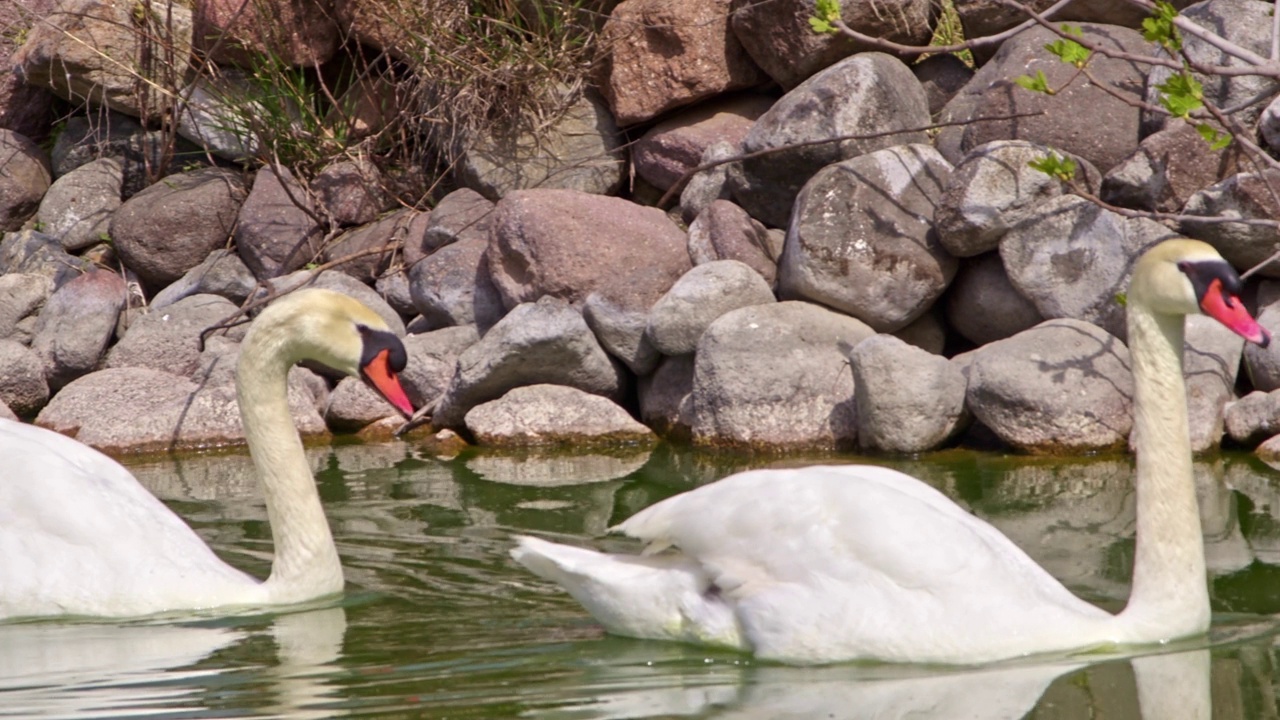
<point>665,597</point>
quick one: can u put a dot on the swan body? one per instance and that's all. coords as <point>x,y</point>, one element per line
<point>824,564</point>
<point>80,536</point>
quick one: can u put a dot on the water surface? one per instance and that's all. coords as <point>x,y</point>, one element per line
<point>438,622</point>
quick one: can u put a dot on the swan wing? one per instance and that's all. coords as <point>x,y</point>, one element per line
<point>79,535</point>
<point>856,561</point>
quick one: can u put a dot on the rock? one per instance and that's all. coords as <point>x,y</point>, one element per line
<point>1104,135</point>
<point>1253,418</point>
<point>724,231</point>
<point>554,415</point>
<point>345,284</point>
<point>1072,259</point>
<point>394,288</point>
<point>172,226</point>
<point>1167,169</point>
<point>548,242</point>
<point>168,338</point>
<point>618,314</point>
<point>86,50</point>
<point>868,90</point>
<point>894,268</point>
<point>926,332</point>
<point>138,409</point>
<point>290,33</point>
<point>77,208</point>
<point>22,295</point>
<point>1246,24</point>
<point>983,305</point>
<point>113,135</point>
<point>1269,125</point>
<point>222,273</point>
<point>24,109</point>
<point>351,193</point>
<point>1211,361</point>
<point>1061,387</point>
<point>277,232</point>
<point>775,376</point>
<point>697,299</point>
<point>665,398</point>
<point>462,214</point>
<point>708,185</point>
<point>673,147</point>
<point>227,113</point>
<point>433,358</point>
<point>77,323</point>
<point>353,405</point>
<point>6,413</point>
<point>1247,196</point>
<point>778,36</point>
<point>981,18</point>
<point>22,384</point>
<point>24,179</point>
<point>582,150</point>
<point>453,286</point>
<point>542,342</point>
<point>366,252</point>
<point>909,400</point>
<point>1263,364</point>
<point>368,106</point>
<point>941,76</point>
<point>993,189</point>
<point>665,55</point>
<point>36,253</point>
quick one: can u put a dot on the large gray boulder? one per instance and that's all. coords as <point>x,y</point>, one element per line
<point>110,134</point>
<point>909,400</point>
<point>352,192</point>
<point>983,306</point>
<point>453,286</point>
<point>77,208</point>
<point>22,384</point>
<point>77,323</point>
<point>618,314</point>
<point>542,342</point>
<point>549,242</point>
<point>33,252</point>
<point>554,415</point>
<point>172,226</point>
<point>1073,259</point>
<point>168,338</point>
<point>87,50</point>
<point>992,190</point>
<point>134,409</point>
<point>581,150</point>
<point>862,238</point>
<point>698,298</point>
<point>776,376</point>
<point>1247,196</point>
<point>24,179</point>
<point>221,273</point>
<point>868,90</point>
<point>710,184</point>
<point>22,295</point>
<point>724,231</point>
<point>664,55</point>
<point>461,215</point>
<point>1061,387</point>
<point>1104,134</point>
<point>1263,363</point>
<point>366,252</point>
<point>433,359</point>
<point>1167,169</point>
<point>665,396</point>
<point>353,405</point>
<point>1253,418</point>
<point>277,230</point>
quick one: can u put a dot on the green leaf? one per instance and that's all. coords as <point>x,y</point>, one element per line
<point>1216,139</point>
<point>1055,166</point>
<point>1069,51</point>
<point>820,26</point>
<point>1159,28</point>
<point>1039,83</point>
<point>827,12</point>
<point>1122,299</point>
<point>1181,95</point>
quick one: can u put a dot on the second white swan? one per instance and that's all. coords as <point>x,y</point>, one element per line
<point>825,564</point>
<point>80,536</point>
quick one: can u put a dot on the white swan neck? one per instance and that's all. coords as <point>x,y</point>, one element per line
<point>306,562</point>
<point>1169,596</point>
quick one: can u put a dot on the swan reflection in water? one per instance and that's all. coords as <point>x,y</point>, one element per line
<point>65,670</point>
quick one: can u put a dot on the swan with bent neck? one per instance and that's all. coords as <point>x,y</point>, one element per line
<point>80,536</point>
<point>833,563</point>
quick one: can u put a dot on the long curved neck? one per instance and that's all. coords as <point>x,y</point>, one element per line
<point>1170,596</point>
<point>306,563</point>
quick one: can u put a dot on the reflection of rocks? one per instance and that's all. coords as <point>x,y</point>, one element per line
<point>555,470</point>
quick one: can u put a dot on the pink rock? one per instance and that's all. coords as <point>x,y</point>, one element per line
<point>675,146</point>
<point>242,32</point>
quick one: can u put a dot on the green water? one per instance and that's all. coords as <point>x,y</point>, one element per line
<point>437,622</point>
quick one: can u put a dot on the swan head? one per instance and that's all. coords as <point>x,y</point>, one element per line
<point>1183,277</point>
<point>336,331</point>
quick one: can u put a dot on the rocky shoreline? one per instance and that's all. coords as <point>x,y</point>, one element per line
<point>892,290</point>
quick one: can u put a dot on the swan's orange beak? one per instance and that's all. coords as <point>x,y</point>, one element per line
<point>378,373</point>
<point>1226,308</point>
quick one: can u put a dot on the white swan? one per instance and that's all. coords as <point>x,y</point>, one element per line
<point>80,536</point>
<point>825,564</point>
